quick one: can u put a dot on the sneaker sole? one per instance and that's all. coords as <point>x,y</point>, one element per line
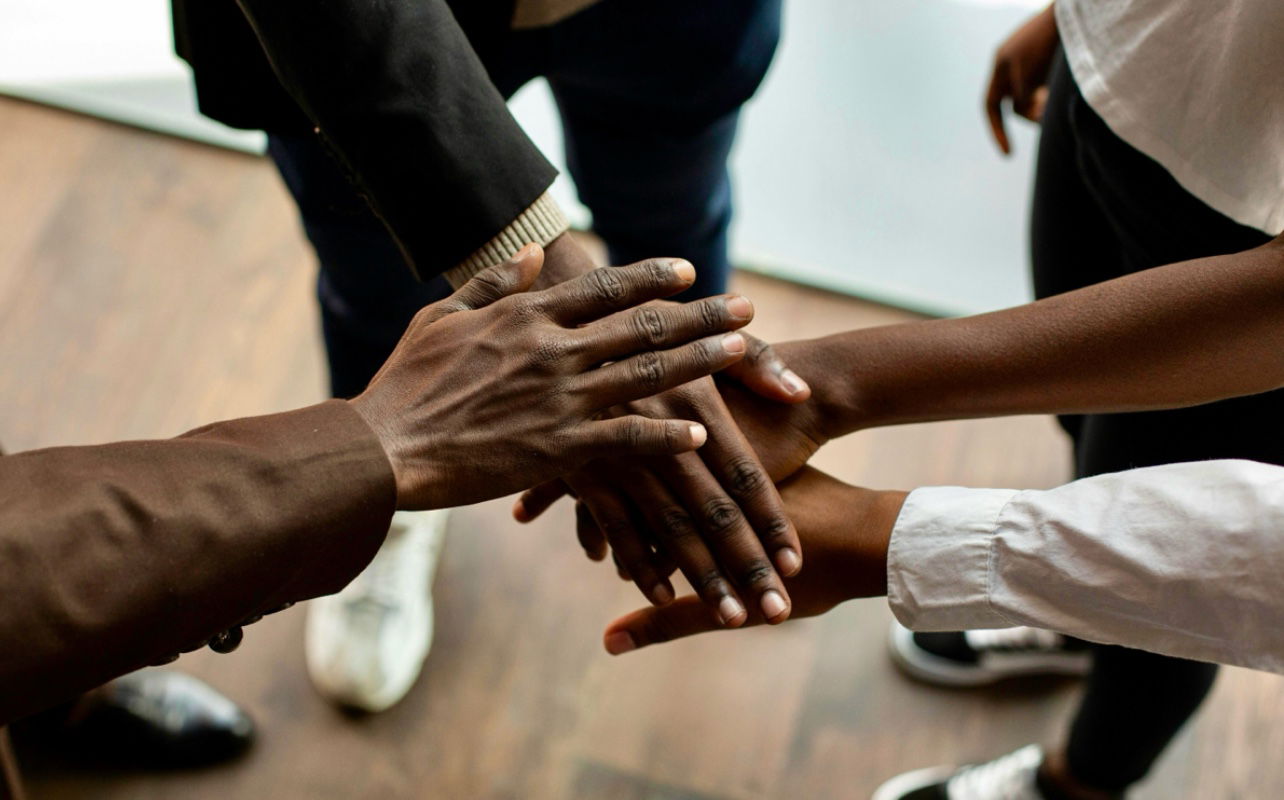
<point>907,782</point>
<point>923,666</point>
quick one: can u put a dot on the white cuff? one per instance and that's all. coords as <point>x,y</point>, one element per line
<point>939,559</point>
<point>541,223</point>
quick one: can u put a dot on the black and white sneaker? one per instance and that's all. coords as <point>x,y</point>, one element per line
<point>1010,777</point>
<point>977,658</point>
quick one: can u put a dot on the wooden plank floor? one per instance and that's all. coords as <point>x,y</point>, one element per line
<point>149,285</point>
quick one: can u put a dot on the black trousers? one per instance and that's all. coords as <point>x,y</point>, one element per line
<point>1102,209</point>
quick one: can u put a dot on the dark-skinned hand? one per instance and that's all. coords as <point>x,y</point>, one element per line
<point>846,531</point>
<point>709,515</point>
<point>495,388</point>
<point>1020,74</point>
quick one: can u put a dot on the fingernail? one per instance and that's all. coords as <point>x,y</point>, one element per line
<point>661,594</point>
<point>792,382</point>
<point>735,343</point>
<point>773,605</point>
<point>684,270</point>
<point>698,435</point>
<point>620,642</point>
<point>729,610</point>
<point>740,308</point>
<point>787,560</point>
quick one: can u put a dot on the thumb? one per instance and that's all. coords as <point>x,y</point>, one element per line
<point>514,276</point>
<point>765,374</point>
<point>685,616</point>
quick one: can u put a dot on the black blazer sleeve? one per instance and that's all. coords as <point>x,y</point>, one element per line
<point>403,100</point>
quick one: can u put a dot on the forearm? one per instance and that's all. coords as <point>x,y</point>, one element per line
<point>405,103</point>
<point>119,555</point>
<point>1177,335</point>
<point>1182,559</point>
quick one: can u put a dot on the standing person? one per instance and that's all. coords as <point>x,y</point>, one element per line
<point>649,93</point>
<point>1161,142</point>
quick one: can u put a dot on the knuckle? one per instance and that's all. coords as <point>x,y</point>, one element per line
<point>491,282</point>
<point>604,285</point>
<point>675,524</point>
<point>710,315</point>
<point>744,476</point>
<point>757,350</point>
<point>776,531</point>
<point>658,273</point>
<point>614,527</point>
<point>634,432</point>
<point>649,371</point>
<point>710,584</point>
<point>649,325</point>
<point>547,351</point>
<point>720,515</point>
<point>757,573</point>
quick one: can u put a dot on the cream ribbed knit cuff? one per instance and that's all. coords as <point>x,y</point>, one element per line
<point>541,223</point>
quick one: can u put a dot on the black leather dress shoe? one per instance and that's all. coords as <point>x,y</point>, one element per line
<point>152,718</point>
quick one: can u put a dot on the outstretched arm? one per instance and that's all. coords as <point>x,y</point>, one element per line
<point>1182,559</point>
<point>121,555</point>
<point>1177,335</point>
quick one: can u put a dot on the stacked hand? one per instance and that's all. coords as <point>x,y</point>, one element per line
<point>715,516</point>
<point>845,530</point>
<point>519,380</point>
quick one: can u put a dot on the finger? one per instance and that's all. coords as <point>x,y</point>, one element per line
<point>607,290</point>
<point>630,549</point>
<point>685,616</point>
<point>619,567</point>
<point>679,539</point>
<point>994,106</point>
<point>733,462</point>
<point>1038,102</point>
<point>636,435</point>
<point>590,535</point>
<point>536,500</point>
<point>515,275</point>
<point>722,527</point>
<point>660,326</point>
<point>651,373</point>
<point>765,374</point>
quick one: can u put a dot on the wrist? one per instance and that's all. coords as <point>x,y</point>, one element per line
<point>833,369</point>
<point>410,477</point>
<point>877,512</point>
<point>564,259</point>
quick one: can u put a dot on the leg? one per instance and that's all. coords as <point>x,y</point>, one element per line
<point>1136,702</point>
<point>650,95</point>
<point>1101,210</point>
<point>1072,244</point>
<point>364,646</point>
<point>366,292</point>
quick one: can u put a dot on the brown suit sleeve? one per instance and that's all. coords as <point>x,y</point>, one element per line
<point>116,556</point>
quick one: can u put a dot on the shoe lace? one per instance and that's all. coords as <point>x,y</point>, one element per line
<point>1009,777</point>
<point>1019,638</point>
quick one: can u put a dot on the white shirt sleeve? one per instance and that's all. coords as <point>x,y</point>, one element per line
<point>1184,559</point>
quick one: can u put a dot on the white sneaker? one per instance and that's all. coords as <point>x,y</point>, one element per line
<point>976,658</point>
<point>1010,777</point>
<point>366,645</point>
